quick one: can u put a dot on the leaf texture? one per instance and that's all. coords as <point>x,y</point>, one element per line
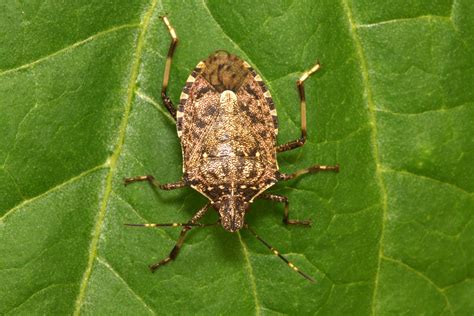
<point>393,105</point>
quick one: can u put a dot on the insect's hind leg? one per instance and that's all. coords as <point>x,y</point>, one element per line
<point>179,243</point>
<point>300,85</point>
<point>166,76</point>
<point>167,186</point>
<point>312,169</point>
<point>277,253</point>
<point>284,199</point>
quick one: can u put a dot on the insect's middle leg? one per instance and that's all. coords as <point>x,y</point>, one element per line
<point>300,85</point>
<point>284,199</point>
<point>166,76</point>
<point>151,179</point>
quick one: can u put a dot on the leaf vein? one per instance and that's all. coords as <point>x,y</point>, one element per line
<point>372,117</point>
<point>326,300</point>
<point>251,274</point>
<point>55,188</point>
<point>441,109</point>
<point>68,48</point>
<point>449,286</point>
<point>424,277</point>
<point>115,273</point>
<point>36,293</point>
<point>410,173</point>
<point>17,134</point>
<point>97,230</point>
<point>15,183</point>
<point>428,17</point>
<point>161,231</point>
<point>155,104</point>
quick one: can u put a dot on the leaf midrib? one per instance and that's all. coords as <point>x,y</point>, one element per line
<point>112,161</point>
<point>379,168</point>
<point>372,117</point>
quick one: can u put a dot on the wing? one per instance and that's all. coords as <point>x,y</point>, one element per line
<point>197,110</point>
<point>257,107</point>
<point>227,135</point>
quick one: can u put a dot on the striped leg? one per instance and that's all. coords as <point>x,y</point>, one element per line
<point>175,251</point>
<point>167,186</point>
<point>284,199</point>
<point>277,253</point>
<point>171,225</point>
<point>166,76</point>
<point>300,85</point>
<point>186,227</point>
<point>312,169</point>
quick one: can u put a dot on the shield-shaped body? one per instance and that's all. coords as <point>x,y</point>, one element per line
<point>227,125</point>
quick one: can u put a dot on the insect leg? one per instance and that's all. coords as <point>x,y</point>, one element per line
<point>275,252</point>
<point>300,85</point>
<point>284,199</point>
<point>171,225</point>
<point>166,76</point>
<point>167,186</point>
<point>175,251</point>
<point>312,169</point>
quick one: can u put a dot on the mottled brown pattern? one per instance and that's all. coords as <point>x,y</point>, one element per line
<point>228,135</point>
<point>227,124</point>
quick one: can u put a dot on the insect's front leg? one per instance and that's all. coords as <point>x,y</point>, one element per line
<point>166,76</point>
<point>300,85</point>
<point>284,199</point>
<point>167,186</point>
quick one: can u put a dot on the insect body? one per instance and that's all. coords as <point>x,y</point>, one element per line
<point>227,124</point>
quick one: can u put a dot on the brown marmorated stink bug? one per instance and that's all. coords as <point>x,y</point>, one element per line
<point>227,124</point>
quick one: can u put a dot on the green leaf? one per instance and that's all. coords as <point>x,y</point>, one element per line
<point>393,105</point>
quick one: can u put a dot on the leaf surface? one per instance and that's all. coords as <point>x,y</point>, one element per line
<point>393,105</point>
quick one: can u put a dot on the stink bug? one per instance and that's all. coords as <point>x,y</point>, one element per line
<point>227,125</point>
